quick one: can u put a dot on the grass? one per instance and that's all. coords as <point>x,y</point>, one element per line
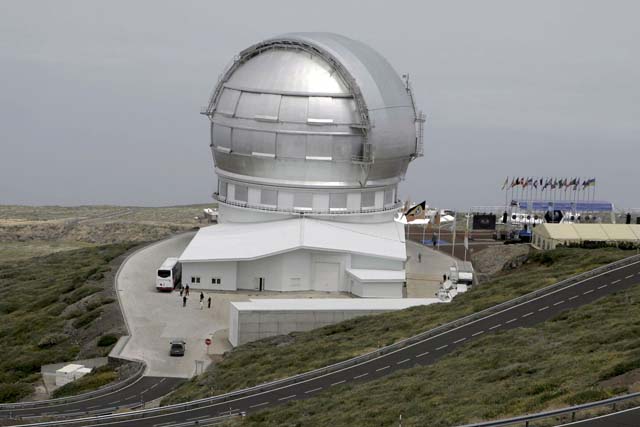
<point>279,357</point>
<point>97,378</point>
<point>565,361</point>
<point>33,297</point>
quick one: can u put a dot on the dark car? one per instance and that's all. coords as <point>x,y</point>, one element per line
<point>177,347</point>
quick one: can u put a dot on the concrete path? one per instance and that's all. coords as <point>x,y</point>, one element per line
<point>425,276</point>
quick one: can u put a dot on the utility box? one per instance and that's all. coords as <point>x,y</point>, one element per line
<point>462,273</point>
<point>70,373</point>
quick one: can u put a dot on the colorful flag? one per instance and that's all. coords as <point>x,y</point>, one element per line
<point>506,181</point>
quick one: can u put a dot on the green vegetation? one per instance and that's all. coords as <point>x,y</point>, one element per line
<point>107,340</point>
<point>581,355</point>
<point>279,357</point>
<point>37,326</point>
<point>97,378</point>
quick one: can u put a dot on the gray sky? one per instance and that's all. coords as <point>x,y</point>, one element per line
<point>100,101</point>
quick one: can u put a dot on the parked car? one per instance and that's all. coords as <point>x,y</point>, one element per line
<point>178,347</point>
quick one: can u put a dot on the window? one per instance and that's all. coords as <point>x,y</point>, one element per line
<point>242,193</point>
<point>303,200</point>
<point>338,201</point>
<point>216,281</point>
<point>195,279</point>
<point>368,199</point>
<point>164,273</point>
<point>268,197</point>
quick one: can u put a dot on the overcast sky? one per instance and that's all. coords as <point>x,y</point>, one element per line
<point>100,101</point>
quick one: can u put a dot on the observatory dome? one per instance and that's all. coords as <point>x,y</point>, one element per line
<point>312,122</point>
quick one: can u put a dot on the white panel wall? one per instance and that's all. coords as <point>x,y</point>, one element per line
<point>270,268</point>
<point>373,263</point>
<point>343,260</point>
<point>255,325</point>
<point>353,201</point>
<point>321,202</point>
<point>379,199</point>
<point>285,200</point>
<point>206,271</point>
<point>296,271</point>
<point>231,191</point>
<point>376,290</point>
<point>254,196</point>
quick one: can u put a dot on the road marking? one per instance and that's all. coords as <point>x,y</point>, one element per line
<point>528,314</point>
<point>204,416</point>
<point>573,297</point>
<point>477,333</point>
<point>259,404</point>
<point>495,326</point>
<point>512,320</point>
<point>114,403</point>
<point>460,340</point>
<point>629,276</point>
<point>161,381</point>
<point>315,389</point>
<point>422,354</point>
<point>442,346</point>
<point>360,376</point>
<point>603,286</point>
<point>588,292</point>
<point>383,368</point>
<point>339,382</point>
<point>615,281</point>
<point>558,303</point>
<point>288,397</point>
<point>402,361</point>
<point>543,308</point>
<point>94,406</point>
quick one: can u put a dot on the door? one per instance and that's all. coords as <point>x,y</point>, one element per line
<point>326,276</point>
<point>261,284</point>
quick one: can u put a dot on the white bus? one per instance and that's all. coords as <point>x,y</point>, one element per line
<point>169,275</point>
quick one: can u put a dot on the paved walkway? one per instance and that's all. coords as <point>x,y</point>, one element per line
<point>155,318</point>
<point>424,277</point>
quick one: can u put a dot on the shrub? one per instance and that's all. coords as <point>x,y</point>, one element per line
<point>86,319</point>
<point>107,340</point>
<point>14,392</point>
<point>52,339</point>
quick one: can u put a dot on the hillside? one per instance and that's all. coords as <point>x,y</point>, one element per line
<point>282,356</point>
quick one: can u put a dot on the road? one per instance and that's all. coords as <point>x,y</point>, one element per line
<point>424,352</point>
<point>145,389</point>
<point>626,418</point>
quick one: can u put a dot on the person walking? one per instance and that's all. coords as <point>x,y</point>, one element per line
<point>209,302</point>
<point>186,290</point>
<point>201,304</point>
<point>184,301</point>
<point>181,291</point>
<point>201,296</point>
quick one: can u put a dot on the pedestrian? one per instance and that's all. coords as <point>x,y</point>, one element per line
<point>181,291</point>
<point>444,278</point>
<point>184,301</point>
<point>186,290</point>
<point>201,296</point>
<point>201,304</point>
<point>419,256</point>
<point>209,302</point>
<point>434,239</point>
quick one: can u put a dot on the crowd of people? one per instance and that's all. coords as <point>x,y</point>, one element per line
<point>184,294</point>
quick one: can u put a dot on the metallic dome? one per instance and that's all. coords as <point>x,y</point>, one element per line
<point>313,111</point>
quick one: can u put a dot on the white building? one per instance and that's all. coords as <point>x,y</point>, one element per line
<point>311,134</point>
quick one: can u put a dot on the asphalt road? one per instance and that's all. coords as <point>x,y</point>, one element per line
<point>145,389</point>
<point>421,353</point>
<point>626,418</point>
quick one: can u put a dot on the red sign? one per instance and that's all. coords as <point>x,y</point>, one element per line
<point>207,341</point>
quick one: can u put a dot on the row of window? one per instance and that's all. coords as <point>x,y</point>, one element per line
<point>214,280</point>
<point>304,199</point>
<point>284,108</point>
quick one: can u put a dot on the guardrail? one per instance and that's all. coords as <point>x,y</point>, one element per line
<point>70,399</point>
<point>359,359</point>
<point>571,411</point>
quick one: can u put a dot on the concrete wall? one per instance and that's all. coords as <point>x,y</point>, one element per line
<point>377,289</point>
<point>226,271</point>
<point>246,326</point>
<point>270,268</point>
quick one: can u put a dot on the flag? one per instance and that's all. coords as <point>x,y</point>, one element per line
<point>592,182</point>
<point>416,212</point>
<point>436,218</point>
<point>506,181</point>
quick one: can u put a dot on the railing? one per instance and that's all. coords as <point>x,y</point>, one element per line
<point>208,401</point>
<point>572,413</point>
